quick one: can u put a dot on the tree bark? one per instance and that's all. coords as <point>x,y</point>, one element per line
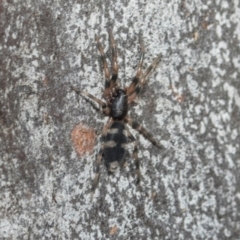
<point>188,190</point>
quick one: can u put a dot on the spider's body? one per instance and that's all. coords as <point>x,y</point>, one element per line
<point>119,104</point>
<point>114,150</point>
<point>115,106</point>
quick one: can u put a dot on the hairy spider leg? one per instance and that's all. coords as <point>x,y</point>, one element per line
<point>104,62</point>
<point>100,157</point>
<point>114,60</point>
<point>135,155</point>
<point>142,79</point>
<point>137,126</point>
<point>105,109</point>
<point>130,89</point>
<point>108,82</point>
<point>85,94</point>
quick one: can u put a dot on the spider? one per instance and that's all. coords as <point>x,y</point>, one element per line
<point>117,101</point>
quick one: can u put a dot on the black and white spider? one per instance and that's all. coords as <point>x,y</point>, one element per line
<point>115,106</point>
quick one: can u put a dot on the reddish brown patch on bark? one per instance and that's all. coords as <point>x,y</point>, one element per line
<point>83,138</point>
<point>113,230</point>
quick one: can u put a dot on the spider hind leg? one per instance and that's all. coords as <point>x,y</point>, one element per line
<point>135,156</point>
<point>100,157</point>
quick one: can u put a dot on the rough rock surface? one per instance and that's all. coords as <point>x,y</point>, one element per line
<point>189,190</point>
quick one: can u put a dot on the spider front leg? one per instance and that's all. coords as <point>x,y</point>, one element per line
<point>131,88</point>
<point>137,126</point>
<point>114,60</point>
<point>139,82</point>
<point>109,83</point>
<point>105,65</point>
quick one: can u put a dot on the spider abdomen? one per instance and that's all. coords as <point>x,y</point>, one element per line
<point>119,104</point>
<point>114,149</point>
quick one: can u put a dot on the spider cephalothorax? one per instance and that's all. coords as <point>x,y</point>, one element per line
<point>119,104</point>
<point>115,105</point>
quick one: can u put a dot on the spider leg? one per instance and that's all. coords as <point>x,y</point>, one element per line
<point>104,62</point>
<point>135,155</point>
<point>142,80</point>
<point>130,89</point>
<point>97,169</point>
<point>85,94</point>
<point>99,157</point>
<point>137,126</point>
<point>109,83</point>
<point>105,109</point>
<point>114,60</point>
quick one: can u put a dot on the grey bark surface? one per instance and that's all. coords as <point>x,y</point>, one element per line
<point>189,190</point>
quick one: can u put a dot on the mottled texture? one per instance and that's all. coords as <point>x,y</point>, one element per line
<point>190,190</point>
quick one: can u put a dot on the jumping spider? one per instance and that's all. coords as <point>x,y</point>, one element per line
<point>116,104</point>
